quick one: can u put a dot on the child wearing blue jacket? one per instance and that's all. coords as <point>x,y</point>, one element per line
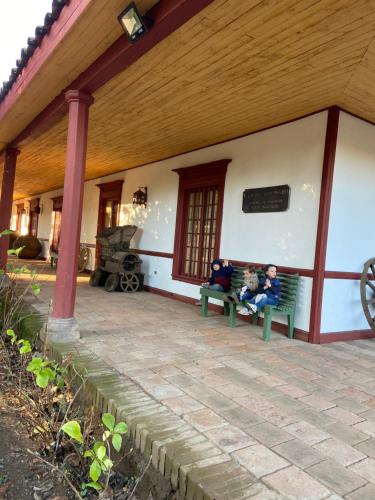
<point>268,292</point>
<point>221,272</point>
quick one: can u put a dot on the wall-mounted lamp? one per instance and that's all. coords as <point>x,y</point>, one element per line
<point>140,196</point>
<point>132,22</point>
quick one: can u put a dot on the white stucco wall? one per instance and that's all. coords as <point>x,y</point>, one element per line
<point>351,239</point>
<point>342,310</point>
<point>289,154</point>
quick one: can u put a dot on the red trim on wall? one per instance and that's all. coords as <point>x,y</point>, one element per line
<point>205,174</point>
<point>152,253</point>
<point>109,191</point>
<point>57,202</point>
<point>357,116</point>
<point>323,223</point>
<point>281,269</point>
<point>170,295</point>
<point>113,187</point>
<point>342,275</point>
<point>309,273</point>
<point>277,327</point>
<point>326,338</point>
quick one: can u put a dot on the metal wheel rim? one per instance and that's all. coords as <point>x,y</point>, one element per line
<point>129,282</point>
<point>368,286</point>
<point>112,282</point>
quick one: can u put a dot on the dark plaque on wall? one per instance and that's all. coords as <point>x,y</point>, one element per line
<point>268,199</point>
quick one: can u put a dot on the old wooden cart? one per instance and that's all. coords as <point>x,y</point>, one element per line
<point>119,269</point>
<point>368,291</point>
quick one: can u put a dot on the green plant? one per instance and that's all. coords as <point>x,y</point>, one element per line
<point>100,453</point>
<point>45,372</point>
<point>24,345</point>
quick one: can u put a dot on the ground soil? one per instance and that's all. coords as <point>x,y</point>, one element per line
<point>23,477</point>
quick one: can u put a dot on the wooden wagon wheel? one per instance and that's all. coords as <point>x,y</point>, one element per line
<point>129,282</point>
<point>111,283</point>
<point>368,291</point>
<point>84,257</point>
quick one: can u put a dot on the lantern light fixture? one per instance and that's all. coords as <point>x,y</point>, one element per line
<point>133,23</point>
<point>140,196</point>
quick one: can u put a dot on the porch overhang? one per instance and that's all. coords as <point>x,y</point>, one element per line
<point>232,69</point>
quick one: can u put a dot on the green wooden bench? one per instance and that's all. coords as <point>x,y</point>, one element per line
<point>206,293</point>
<point>286,307</point>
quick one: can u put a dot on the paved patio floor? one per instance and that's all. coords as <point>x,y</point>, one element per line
<point>299,419</point>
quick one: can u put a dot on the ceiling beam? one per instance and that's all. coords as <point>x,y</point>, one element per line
<point>167,16</point>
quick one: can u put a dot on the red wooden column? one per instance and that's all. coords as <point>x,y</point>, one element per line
<point>65,288</point>
<point>323,223</point>
<point>7,200</point>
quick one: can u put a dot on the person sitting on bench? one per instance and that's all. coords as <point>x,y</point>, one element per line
<point>249,286</point>
<point>268,292</point>
<point>220,277</point>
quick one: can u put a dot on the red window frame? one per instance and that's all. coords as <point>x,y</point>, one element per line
<point>206,175</point>
<point>109,192</point>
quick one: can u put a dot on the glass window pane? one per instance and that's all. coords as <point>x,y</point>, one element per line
<point>200,229</point>
<point>108,214</point>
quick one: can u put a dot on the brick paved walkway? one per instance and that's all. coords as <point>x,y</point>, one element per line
<point>297,420</point>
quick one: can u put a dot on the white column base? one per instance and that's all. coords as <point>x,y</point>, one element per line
<point>62,330</point>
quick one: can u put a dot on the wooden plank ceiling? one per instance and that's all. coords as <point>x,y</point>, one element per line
<point>91,34</point>
<point>237,67</point>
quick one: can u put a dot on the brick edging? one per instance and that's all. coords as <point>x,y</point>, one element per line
<point>155,430</point>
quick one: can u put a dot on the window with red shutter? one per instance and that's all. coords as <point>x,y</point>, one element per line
<point>198,220</point>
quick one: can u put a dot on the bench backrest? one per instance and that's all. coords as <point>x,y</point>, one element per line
<point>289,288</point>
<point>289,284</point>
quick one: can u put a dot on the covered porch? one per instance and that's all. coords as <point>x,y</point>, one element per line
<point>212,81</point>
<point>222,413</point>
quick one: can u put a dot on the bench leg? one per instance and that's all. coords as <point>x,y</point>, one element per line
<point>226,309</point>
<point>204,306</point>
<point>232,315</point>
<point>291,325</point>
<point>254,319</point>
<point>267,324</point>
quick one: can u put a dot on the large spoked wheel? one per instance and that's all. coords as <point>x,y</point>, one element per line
<point>368,291</point>
<point>112,282</point>
<point>129,282</point>
<point>84,258</point>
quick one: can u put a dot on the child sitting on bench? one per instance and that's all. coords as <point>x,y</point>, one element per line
<point>249,286</point>
<point>220,277</point>
<point>268,292</point>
